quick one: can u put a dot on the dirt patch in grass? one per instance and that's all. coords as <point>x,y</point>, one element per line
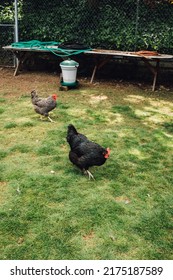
<point>122,199</point>
<point>98,98</point>
<point>46,82</point>
<point>89,236</point>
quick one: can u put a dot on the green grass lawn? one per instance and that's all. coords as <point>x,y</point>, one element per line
<point>49,209</point>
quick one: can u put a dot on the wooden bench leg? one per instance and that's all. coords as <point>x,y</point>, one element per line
<point>18,63</point>
<point>98,65</point>
<point>93,74</point>
<point>154,70</point>
<point>21,57</point>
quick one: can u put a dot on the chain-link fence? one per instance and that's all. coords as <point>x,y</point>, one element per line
<point>7,27</point>
<point>110,24</point>
<point>7,36</point>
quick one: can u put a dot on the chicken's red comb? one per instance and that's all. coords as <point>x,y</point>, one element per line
<point>108,151</point>
<point>54,96</point>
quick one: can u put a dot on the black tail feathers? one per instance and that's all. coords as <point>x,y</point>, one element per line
<point>72,129</point>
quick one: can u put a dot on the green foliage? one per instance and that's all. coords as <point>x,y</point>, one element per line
<point>109,24</point>
<point>6,14</point>
<point>7,11</point>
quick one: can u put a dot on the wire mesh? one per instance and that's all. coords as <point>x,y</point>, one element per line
<point>110,24</point>
<point>7,36</point>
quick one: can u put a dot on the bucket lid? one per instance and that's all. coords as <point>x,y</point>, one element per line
<point>69,63</point>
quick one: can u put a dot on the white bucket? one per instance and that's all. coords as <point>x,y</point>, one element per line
<point>69,71</point>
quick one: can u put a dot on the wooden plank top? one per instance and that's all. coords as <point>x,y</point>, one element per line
<point>145,54</point>
<point>140,54</point>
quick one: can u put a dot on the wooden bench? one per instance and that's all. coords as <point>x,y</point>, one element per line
<point>101,58</point>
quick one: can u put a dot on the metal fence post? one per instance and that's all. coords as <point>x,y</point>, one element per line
<point>137,22</point>
<point>16,28</point>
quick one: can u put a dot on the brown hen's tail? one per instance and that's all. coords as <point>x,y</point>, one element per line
<point>33,93</point>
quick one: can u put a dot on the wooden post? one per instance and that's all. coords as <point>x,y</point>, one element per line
<point>153,69</point>
<point>155,75</point>
<point>17,66</point>
<point>93,74</point>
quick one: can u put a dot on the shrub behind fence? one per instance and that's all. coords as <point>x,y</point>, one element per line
<point>112,24</point>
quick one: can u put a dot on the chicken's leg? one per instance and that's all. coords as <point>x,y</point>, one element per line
<point>89,174</point>
<point>50,119</point>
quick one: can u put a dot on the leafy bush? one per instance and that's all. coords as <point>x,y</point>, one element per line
<point>109,24</point>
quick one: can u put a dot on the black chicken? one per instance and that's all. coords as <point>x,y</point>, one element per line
<point>85,153</point>
<point>43,106</point>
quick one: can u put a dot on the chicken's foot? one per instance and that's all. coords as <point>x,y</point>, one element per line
<point>50,119</point>
<point>89,174</point>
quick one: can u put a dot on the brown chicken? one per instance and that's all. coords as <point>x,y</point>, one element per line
<point>43,106</point>
<point>85,153</point>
